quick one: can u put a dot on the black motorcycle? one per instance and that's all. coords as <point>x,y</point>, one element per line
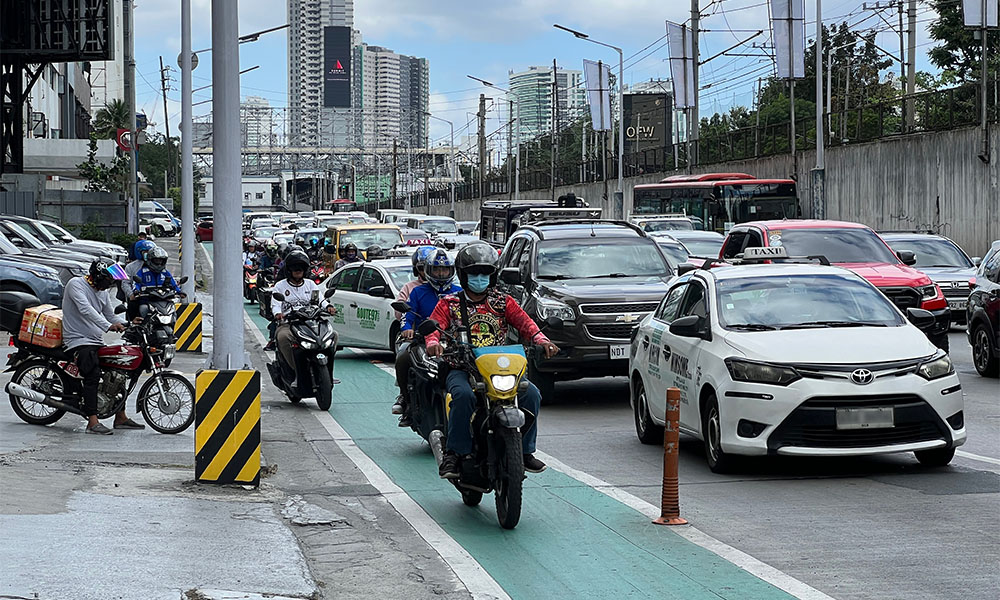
<point>157,305</point>
<point>315,347</point>
<point>265,284</point>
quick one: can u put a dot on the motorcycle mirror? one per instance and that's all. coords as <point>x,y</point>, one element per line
<point>329,292</point>
<point>182,280</point>
<point>400,306</point>
<point>428,327</point>
<point>278,297</point>
<point>120,309</point>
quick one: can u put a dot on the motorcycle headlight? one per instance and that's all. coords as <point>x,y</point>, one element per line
<point>164,319</point>
<point>937,367</point>
<point>307,345</point>
<point>753,372</point>
<point>169,351</point>
<point>548,307</point>
<point>928,292</point>
<point>503,383</point>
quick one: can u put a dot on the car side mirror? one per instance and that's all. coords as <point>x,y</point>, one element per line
<point>378,291</point>
<point>428,327</point>
<point>510,276</point>
<point>908,257</point>
<point>329,292</point>
<point>400,306</point>
<point>66,239</point>
<point>690,326</point>
<point>921,319</point>
<point>685,268</point>
<point>977,260</point>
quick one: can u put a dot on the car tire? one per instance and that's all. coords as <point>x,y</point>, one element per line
<point>545,383</point>
<point>646,430</point>
<point>711,433</point>
<point>939,457</point>
<point>983,356</point>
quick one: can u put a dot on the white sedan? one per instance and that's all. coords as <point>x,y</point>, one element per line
<point>793,359</point>
<point>365,292</point>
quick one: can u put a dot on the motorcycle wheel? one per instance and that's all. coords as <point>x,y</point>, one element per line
<point>324,388</point>
<point>471,497</point>
<point>508,486</point>
<point>39,376</point>
<point>176,412</point>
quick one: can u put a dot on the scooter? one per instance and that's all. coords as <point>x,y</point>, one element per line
<point>315,347</point>
<point>250,282</point>
<point>157,307</point>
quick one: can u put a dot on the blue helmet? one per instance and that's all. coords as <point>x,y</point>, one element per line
<point>439,270</point>
<point>140,249</point>
<point>419,259</point>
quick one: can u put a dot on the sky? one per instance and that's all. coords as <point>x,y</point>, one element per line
<point>462,37</point>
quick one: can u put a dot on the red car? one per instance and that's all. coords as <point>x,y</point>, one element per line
<point>855,247</point>
<point>203,233</point>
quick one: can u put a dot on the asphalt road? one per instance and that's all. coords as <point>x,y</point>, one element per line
<point>880,527</point>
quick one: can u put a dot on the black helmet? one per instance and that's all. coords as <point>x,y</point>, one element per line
<point>283,250</point>
<point>103,271</point>
<point>348,248</point>
<point>156,259</point>
<point>296,259</point>
<point>300,240</point>
<point>478,258</point>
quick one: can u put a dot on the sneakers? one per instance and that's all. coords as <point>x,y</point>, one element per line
<point>399,406</point>
<point>99,430</point>
<point>533,465</point>
<point>271,346</point>
<point>405,420</point>
<point>449,466</point>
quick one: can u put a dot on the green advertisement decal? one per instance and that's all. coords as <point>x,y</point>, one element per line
<point>368,317</point>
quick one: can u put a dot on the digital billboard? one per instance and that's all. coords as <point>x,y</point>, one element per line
<point>648,125</point>
<point>337,67</point>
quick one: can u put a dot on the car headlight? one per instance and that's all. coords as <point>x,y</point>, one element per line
<point>928,292</point>
<point>937,367</point>
<point>42,274</point>
<point>548,307</point>
<point>754,372</point>
<point>503,383</point>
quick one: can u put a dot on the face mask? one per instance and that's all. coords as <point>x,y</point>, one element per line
<point>478,283</point>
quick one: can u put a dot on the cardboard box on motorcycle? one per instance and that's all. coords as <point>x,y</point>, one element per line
<point>42,326</point>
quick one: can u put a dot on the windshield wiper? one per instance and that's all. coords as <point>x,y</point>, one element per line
<point>555,277</point>
<point>834,324</point>
<point>612,275</point>
<point>752,326</point>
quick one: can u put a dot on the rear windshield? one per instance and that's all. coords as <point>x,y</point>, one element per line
<point>837,245</point>
<point>934,253</point>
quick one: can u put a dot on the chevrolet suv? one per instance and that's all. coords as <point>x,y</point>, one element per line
<point>600,278</point>
<point>857,248</point>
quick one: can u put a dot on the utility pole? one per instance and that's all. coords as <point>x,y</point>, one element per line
<point>166,125</point>
<point>552,137</point>
<point>129,60</point>
<point>911,61</point>
<point>187,158</point>
<point>482,141</point>
<point>427,194</point>
<point>819,172</point>
<point>902,65</point>
<point>510,145</point>
<point>693,128</point>
<point>395,157</point>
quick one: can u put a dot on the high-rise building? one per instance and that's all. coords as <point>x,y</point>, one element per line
<point>394,92</point>
<point>533,90</point>
<point>256,122</point>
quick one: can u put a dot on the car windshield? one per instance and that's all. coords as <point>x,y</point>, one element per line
<point>802,301</point>
<point>57,232</point>
<point>362,238</point>
<point>283,237</point>
<point>265,232</point>
<point>560,259</point>
<point>39,231</point>
<point>29,240</point>
<point>853,245</point>
<point>934,252</point>
<point>668,225</point>
<point>439,226</point>
<point>705,248</point>
<point>674,250</point>
<point>8,248</point>
<point>327,221</point>
<point>400,275</point>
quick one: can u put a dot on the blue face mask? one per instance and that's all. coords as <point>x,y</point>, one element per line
<point>478,283</point>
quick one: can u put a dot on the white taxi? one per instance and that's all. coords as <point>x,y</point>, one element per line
<point>365,292</point>
<point>793,359</point>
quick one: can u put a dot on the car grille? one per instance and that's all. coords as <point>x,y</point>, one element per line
<point>814,424</point>
<point>610,309</point>
<point>960,292</point>
<point>611,331</point>
<point>903,297</point>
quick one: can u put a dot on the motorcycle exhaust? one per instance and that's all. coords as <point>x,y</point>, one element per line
<point>32,396</point>
<point>437,447</point>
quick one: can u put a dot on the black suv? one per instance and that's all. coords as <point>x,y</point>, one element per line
<point>984,315</point>
<point>599,277</point>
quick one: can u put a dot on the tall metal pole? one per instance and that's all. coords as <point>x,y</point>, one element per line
<point>984,154</point>
<point>693,133</point>
<point>187,167</point>
<point>517,157</point>
<point>133,201</point>
<point>227,352</point>
<point>819,173</point>
<point>911,59</point>
<point>451,174</point>
<point>552,137</point>
<point>620,199</point>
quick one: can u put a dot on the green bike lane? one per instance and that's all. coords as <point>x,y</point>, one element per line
<point>572,541</point>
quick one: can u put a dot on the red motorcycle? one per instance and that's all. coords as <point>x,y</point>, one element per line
<point>317,273</point>
<point>46,383</point>
<point>250,282</point>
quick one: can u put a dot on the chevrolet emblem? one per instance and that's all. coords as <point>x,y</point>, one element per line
<point>628,318</point>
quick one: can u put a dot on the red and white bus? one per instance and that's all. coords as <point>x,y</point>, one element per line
<point>343,205</point>
<point>717,201</point>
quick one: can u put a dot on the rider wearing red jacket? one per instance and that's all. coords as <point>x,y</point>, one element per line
<point>490,313</point>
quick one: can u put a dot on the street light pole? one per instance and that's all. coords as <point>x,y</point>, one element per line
<point>517,133</point>
<point>451,166</point>
<point>187,166</point>
<point>619,207</point>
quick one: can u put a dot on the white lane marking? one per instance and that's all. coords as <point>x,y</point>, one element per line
<point>479,583</point>
<point>971,456</point>
<point>739,558</point>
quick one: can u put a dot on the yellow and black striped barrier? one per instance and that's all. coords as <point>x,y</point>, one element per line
<point>227,427</point>
<point>187,328</point>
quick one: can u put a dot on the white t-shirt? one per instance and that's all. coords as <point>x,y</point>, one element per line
<point>297,296</point>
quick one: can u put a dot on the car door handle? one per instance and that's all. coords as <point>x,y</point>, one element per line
<point>666,352</point>
<point>354,304</point>
<point>645,341</point>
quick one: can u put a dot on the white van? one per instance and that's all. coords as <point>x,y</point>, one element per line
<point>388,215</point>
<point>154,207</point>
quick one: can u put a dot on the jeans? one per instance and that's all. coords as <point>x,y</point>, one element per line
<point>463,402</point>
<point>285,338</point>
<point>90,371</point>
<point>403,363</point>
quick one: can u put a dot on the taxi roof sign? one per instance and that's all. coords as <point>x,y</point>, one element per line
<point>765,253</point>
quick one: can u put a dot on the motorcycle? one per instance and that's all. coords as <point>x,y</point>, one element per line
<point>497,376</point>
<point>265,283</point>
<point>317,273</point>
<point>315,347</point>
<point>250,282</point>
<point>46,383</point>
<point>157,306</point>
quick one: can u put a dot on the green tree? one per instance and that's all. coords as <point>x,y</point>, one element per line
<point>112,177</point>
<point>111,118</point>
<point>153,160</point>
<point>959,54</point>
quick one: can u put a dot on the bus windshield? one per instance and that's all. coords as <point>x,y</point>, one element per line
<point>719,207</point>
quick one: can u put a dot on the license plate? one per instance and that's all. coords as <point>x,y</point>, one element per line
<point>957,304</point>
<point>618,351</point>
<point>879,417</point>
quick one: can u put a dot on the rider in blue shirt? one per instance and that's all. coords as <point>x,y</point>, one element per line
<point>154,273</point>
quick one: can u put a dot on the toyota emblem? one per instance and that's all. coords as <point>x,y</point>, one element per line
<point>862,376</point>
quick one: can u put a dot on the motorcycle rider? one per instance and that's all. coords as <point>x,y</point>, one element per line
<point>297,291</point>
<point>419,259</point>
<point>140,248</point>
<point>439,271</point>
<point>153,274</point>
<point>314,251</point>
<point>87,314</point>
<point>251,256</point>
<point>490,313</point>
<point>349,254</point>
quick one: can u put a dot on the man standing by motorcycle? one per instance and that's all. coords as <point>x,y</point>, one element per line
<point>486,314</point>
<point>87,314</point>
<point>349,255</point>
<point>439,271</point>
<point>297,290</point>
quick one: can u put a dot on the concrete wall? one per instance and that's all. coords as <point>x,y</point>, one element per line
<point>920,181</point>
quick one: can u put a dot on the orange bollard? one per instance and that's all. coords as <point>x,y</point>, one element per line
<point>670,506</point>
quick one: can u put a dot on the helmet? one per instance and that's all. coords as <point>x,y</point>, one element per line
<point>103,271</point>
<point>314,241</point>
<point>282,250</point>
<point>140,249</point>
<point>419,258</point>
<point>478,258</point>
<point>271,248</point>
<point>156,259</point>
<point>296,259</point>
<point>348,249</point>
<point>439,270</point>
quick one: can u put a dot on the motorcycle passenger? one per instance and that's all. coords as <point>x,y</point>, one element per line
<point>87,314</point>
<point>439,271</point>
<point>490,313</point>
<point>419,259</point>
<point>297,291</point>
<point>140,249</point>
<point>348,255</point>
